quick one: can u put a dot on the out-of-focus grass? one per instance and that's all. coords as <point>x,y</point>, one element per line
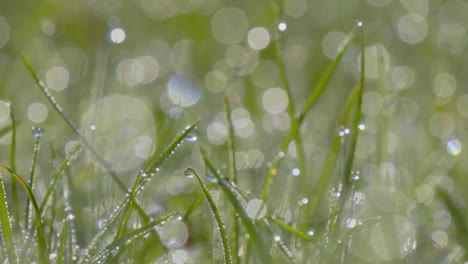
<point>262,86</point>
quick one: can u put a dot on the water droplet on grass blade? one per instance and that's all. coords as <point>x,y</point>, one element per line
<point>189,173</point>
<point>38,132</point>
<point>191,137</point>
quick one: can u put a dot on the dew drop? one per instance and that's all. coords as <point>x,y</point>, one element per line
<point>92,127</point>
<point>310,233</point>
<point>282,26</point>
<point>351,223</point>
<point>70,217</point>
<point>211,179</point>
<point>191,137</point>
<point>38,132</point>
<point>347,131</point>
<point>341,133</point>
<point>362,126</point>
<point>277,238</point>
<point>359,23</point>
<point>281,154</point>
<point>296,172</point>
<point>189,173</point>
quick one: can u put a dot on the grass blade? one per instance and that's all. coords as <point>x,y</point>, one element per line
<point>316,92</point>
<point>189,172</point>
<point>249,225</point>
<point>91,248</point>
<point>8,243</point>
<point>75,129</point>
<point>358,115</point>
<point>128,239</point>
<point>290,229</point>
<point>32,171</point>
<point>332,156</point>
<point>14,187</point>
<point>196,203</point>
<point>57,175</point>
<point>63,243</point>
<point>153,165</point>
<point>279,243</point>
<point>232,175</point>
<point>42,246</point>
<point>156,161</point>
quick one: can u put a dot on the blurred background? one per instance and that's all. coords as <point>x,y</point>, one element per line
<point>132,74</point>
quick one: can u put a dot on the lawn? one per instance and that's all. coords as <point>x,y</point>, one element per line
<point>211,131</point>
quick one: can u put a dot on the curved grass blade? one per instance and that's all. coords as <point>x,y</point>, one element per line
<point>196,203</point>
<point>189,172</point>
<point>8,243</point>
<point>290,229</point>
<point>57,175</point>
<point>249,225</point>
<point>318,89</point>
<point>129,238</point>
<point>75,129</point>
<point>42,246</point>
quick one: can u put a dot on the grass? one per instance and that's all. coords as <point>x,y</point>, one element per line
<point>350,169</point>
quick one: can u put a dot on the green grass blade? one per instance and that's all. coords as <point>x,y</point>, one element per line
<point>196,203</point>
<point>290,229</point>
<point>156,161</point>
<point>129,238</point>
<point>317,91</point>
<point>152,165</point>
<point>232,175</point>
<point>56,177</point>
<point>75,129</point>
<point>5,130</point>
<point>8,243</point>
<point>249,225</point>
<point>14,187</point>
<point>332,156</point>
<point>42,246</point>
<point>91,248</point>
<point>32,171</point>
<point>63,243</point>
<point>230,141</point>
<point>358,114</point>
<point>279,243</point>
<point>189,172</point>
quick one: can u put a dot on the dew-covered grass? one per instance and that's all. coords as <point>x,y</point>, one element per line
<point>284,131</point>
